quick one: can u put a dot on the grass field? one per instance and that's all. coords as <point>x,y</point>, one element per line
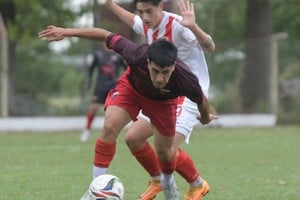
<point>239,164</point>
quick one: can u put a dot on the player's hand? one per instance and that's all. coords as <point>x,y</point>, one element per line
<point>206,120</point>
<point>212,110</point>
<point>52,33</point>
<point>109,2</point>
<point>187,12</point>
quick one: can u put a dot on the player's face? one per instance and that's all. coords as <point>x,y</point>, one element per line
<point>150,14</point>
<point>160,76</point>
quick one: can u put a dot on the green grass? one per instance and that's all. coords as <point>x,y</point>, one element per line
<point>239,164</point>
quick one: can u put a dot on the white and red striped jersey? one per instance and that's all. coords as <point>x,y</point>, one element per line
<point>189,49</point>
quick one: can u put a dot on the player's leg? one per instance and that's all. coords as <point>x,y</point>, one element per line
<point>98,99</point>
<point>187,169</point>
<point>115,120</point>
<point>185,166</point>
<point>121,106</point>
<point>90,116</point>
<point>136,139</point>
<point>138,133</point>
<point>167,163</point>
<point>163,118</point>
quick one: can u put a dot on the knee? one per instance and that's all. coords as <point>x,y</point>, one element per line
<point>130,140</point>
<point>165,155</point>
<point>134,142</point>
<point>109,132</point>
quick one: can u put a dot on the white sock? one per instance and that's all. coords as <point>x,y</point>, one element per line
<point>97,171</point>
<point>156,178</point>
<point>197,182</point>
<point>167,179</point>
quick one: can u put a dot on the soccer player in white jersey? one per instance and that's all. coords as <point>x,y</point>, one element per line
<point>191,41</point>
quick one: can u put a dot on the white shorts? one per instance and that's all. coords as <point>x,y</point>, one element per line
<point>187,113</point>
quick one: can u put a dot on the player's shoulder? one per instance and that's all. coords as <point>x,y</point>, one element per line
<point>171,14</point>
<point>175,24</point>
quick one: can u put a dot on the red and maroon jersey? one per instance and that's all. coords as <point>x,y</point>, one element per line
<point>182,82</point>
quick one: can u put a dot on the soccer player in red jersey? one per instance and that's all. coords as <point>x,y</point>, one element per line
<point>156,77</point>
<point>152,22</point>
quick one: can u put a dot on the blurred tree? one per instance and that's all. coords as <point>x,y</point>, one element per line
<point>226,22</point>
<point>23,20</point>
<point>285,15</point>
<point>255,80</point>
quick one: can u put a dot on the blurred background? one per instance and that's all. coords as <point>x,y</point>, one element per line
<point>255,68</point>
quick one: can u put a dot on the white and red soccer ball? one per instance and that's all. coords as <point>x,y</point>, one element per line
<point>107,187</point>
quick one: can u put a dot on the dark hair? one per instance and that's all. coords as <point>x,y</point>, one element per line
<point>153,2</point>
<point>162,52</point>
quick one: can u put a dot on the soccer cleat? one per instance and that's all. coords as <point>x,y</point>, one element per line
<point>196,193</point>
<point>85,135</point>
<point>171,190</point>
<point>86,196</point>
<point>153,189</point>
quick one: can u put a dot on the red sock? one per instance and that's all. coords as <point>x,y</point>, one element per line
<point>104,153</point>
<point>186,167</point>
<point>168,168</point>
<point>147,157</point>
<point>90,118</point>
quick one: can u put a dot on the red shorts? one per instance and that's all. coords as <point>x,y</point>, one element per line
<point>162,114</point>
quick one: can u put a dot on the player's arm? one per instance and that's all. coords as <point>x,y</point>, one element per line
<point>194,93</point>
<point>53,33</point>
<point>124,15</point>
<point>188,20</point>
<point>190,87</point>
<point>129,50</point>
<point>205,115</point>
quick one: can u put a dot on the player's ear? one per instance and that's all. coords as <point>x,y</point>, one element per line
<point>149,63</point>
<point>160,5</point>
<point>173,66</point>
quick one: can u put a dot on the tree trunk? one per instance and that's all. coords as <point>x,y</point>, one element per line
<point>255,79</point>
<point>8,11</point>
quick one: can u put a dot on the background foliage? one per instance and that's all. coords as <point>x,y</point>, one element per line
<point>43,76</point>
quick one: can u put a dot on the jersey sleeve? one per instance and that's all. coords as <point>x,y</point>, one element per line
<point>186,34</point>
<point>188,82</point>
<point>138,25</point>
<point>177,17</point>
<point>134,54</point>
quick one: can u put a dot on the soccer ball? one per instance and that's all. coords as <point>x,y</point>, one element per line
<point>107,187</point>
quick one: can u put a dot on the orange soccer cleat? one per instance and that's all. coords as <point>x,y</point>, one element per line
<point>153,189</point>
<point>196,193</point>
